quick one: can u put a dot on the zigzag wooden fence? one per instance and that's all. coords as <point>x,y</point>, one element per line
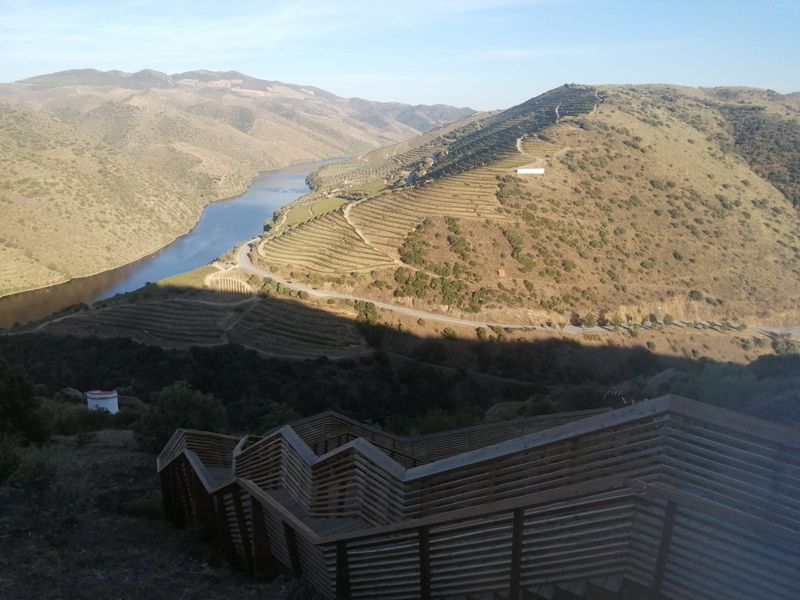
<point>678,498</point>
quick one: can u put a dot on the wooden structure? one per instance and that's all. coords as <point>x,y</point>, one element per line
<point>669,498</point>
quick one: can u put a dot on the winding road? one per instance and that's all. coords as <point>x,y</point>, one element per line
<point>242,259</point>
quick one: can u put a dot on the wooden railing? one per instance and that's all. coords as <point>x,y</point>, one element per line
<point>684,499</point>
<point>329,430</point>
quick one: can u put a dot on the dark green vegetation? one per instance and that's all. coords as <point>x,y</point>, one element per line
<point>771,144</point>
<point>444,380</point>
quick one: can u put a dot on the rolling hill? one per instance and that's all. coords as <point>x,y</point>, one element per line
<point>106,167</point>
<point>656,202</point>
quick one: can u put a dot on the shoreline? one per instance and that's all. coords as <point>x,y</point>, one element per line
<point>151,254</point>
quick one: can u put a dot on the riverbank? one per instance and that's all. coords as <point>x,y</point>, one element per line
<point>311,166</point>
<point>221,225</point>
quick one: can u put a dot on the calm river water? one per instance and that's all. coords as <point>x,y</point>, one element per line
<point>221,226</point>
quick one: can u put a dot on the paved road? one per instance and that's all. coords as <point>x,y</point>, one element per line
<point>243,261</point>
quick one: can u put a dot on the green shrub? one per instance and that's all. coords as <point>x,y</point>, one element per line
<point>18,409</point>
<point>35,475</point>
<point>258,414</point>
<point>9,455</point>
<point>367,312</point>
<point>648,264</point>
<point>784,345</point>
<point>147,505</point>
<point>178,406</point>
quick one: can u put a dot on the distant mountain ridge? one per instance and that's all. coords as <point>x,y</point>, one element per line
<point>93,148</point>
<point>420,117</point>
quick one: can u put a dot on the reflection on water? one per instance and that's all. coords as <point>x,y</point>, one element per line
<point>222,226</point>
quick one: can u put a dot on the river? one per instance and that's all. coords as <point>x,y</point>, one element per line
<point>221,226</point>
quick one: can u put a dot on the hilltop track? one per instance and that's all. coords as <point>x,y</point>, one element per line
<point>242,259</point>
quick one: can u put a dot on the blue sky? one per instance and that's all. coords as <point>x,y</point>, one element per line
<point>481,53</point>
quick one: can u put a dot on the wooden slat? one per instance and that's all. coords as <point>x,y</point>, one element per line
<point>516,554</point>
<point>342,572</point>
<point>424,564</point>
<point>663,549</point>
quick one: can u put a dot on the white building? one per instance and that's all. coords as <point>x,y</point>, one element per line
<point>103,400</point>
<point>530,171</point>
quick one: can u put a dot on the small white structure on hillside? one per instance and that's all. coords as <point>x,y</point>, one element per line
<point>103,400</point>
<point>530,171</point>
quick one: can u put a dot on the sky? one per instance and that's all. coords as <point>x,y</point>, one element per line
<point>484,54</point>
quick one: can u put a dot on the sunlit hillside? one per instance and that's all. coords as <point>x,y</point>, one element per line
<point>655,200</point>
<point>105,167</point>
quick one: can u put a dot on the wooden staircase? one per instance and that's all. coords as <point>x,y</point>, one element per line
<point>667,499</point>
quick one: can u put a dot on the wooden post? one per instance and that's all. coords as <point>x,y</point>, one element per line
<point>224,540</point>
<point>424,564</point>
<point>516,554</point>
<point>193,483</point>
<point>663,550</point>
<point>263,561</point>
<point>166,495</point>
<point>291,546</point>
<point>244,534</point>
<point>342,572</point>
<point>178,500</point>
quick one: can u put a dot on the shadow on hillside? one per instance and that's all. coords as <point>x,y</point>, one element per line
<point>407,382</point>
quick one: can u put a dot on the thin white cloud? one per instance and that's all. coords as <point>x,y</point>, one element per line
<point>607,50</point>
<point>135,33</point>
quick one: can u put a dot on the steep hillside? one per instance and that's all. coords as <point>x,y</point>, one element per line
<point>106,167</point>
<point>657,202</point>
<point>71,204</point>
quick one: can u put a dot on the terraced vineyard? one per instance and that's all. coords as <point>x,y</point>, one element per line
<point>386,165</point>
<point>288,329</point>
<point>271,326</point>
<point>497,137</point>
<point>386,220</point>
<point>366,234</point>
<point>327,244</point>
<point>230,289</point>
<point>164,323</point>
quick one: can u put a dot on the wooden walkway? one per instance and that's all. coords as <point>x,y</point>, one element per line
<point>669,498</point>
